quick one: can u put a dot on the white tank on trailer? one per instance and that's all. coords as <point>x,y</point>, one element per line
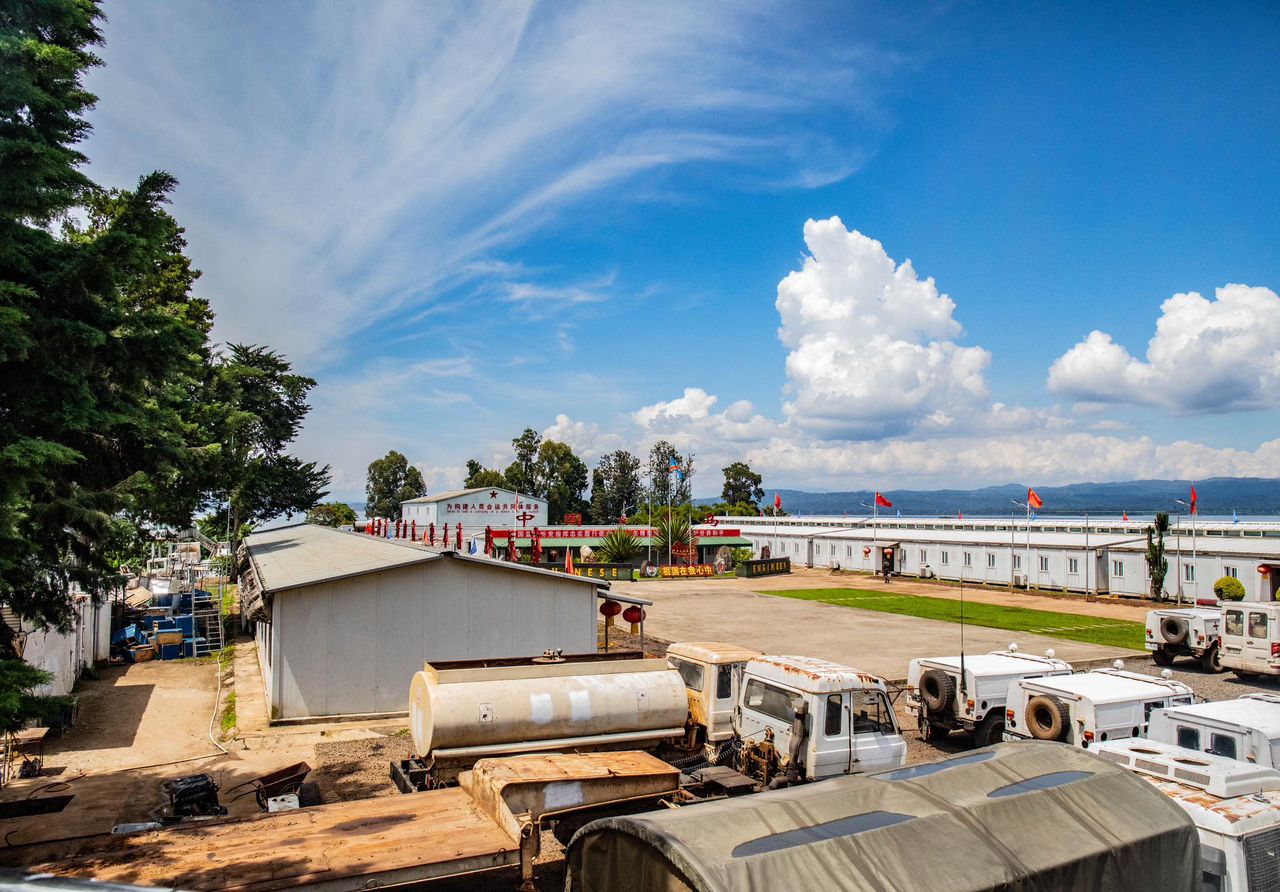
<point>475,712</point>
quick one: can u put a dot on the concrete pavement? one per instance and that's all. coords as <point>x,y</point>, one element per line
<point>739,611</point>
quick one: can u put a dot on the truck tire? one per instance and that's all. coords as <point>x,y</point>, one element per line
<point>1173,629</point>
<point>1162,657</point>
<point>1047,718</point>
<point>937,690</point>
<point>990,731</point>
<point>932,732</point>
<point>1212,660</point>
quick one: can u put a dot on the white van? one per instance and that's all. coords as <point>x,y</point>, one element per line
<point>1250,636</point>
<point>1105,704</point>
<point>1247,728</point>
<point>809,719</point>
<point>712,673</point>
<point>1235,807</point>
<point>1185,632</point>
<point>944,699</point>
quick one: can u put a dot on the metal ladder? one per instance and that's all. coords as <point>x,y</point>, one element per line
<point>208,625</point>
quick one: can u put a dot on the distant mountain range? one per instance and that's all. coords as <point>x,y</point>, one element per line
<point>1218,495</point>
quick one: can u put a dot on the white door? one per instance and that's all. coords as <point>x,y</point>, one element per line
<point>766,705</point>
<point>876,742</point>
<point>1257,637</point>
<point>1232,636</point>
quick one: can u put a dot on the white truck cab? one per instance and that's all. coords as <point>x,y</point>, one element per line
<point>968,693</point>
<point>1185,632</point>
<point>1247,728</point>
<point>1105,704</point>
<point>806,719</point>
<point>1250,637</point>
<point>712,673</point>
<point>1235,807</point>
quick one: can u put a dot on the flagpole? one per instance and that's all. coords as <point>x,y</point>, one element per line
<point>875,547</point>
<point>1195,571</point>
<point>1088,556</point>
<point>1028,545</point>
<point>669,524</point>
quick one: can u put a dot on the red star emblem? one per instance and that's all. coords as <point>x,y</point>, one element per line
<point>493,493</point>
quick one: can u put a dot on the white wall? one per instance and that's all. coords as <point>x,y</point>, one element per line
<point>65,654</point>
<point>351,647</point>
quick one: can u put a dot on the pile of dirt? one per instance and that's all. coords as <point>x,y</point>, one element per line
<point>620,638</point>
<point>359,769</point>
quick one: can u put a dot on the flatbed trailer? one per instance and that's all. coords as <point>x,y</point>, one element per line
<point>493,819</point>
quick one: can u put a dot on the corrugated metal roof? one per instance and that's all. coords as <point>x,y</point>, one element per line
<point>306,554</point>
<point>458,493</point>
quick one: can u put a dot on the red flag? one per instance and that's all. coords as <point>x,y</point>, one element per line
<point>1125,516</point>
<point>883,502</point>
<point>959,515</point>
<point>777,501</point>
<point>568,561</point>
<point>1034,500</point>
<point>1193,500</point>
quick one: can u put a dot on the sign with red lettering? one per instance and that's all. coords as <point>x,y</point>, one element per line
<point>573,520</point>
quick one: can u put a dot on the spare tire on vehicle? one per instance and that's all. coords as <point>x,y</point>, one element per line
<point>1173,629</point>
<point>1047,718</point>
<point>937,690</point>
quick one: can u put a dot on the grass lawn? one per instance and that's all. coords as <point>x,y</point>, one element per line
<point>1071,626</point>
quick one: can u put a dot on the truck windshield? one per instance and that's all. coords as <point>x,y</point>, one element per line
<point>871,713</point>
<point>690,672</point>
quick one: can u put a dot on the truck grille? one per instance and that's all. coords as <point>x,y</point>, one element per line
<point>1262,852</point>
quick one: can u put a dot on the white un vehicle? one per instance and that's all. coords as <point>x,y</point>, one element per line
<point>968,693</point>
<point>1251,638</point>
<point>1185,632</point>
<point>1234,805</point>
<point>1247,728</point>
<point>1106,704</point>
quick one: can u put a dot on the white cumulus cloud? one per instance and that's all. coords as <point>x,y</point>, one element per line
<point>872,344</point>
<point>1218,355</point>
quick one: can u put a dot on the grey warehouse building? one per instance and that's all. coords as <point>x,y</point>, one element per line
<point>343,620</point>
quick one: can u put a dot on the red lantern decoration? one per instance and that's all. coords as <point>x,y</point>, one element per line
<point>634,615</point>
<point>610,609</point>
<point>1264,569</point>
<point>459,539</point>
<point>866,551</point>
<point>431,533</point>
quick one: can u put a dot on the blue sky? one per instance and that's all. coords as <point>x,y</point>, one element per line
<point>618,223</point>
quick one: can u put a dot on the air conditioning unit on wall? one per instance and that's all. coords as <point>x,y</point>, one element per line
<point>1020,579</point>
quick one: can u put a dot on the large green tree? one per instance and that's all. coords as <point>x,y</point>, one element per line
<point>564,479</point>
<point>257,404</point>
<point>332,514</point>
<point>615,487</point>
<point>522,475</point>
<point>480,476</point>
<point>391,480</point>
<point>742,486</point>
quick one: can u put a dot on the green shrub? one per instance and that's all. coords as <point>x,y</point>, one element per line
<point>618,547</point>
<point>1228,588</point>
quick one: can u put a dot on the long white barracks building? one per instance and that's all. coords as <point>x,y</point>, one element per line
<point>1050,553</point>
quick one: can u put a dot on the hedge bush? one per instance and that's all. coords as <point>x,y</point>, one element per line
<point>1228,588</point>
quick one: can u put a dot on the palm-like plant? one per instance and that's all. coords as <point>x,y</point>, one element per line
<point>674,530</point>
<point>618,547</point>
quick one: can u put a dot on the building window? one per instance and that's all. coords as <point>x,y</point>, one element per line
<point>1073,565</point>
<point>848,551</point>
<point>968,559</point>
<point>944,559</point>
<point>1044,565</point>
<point>1231,571</point>
<point>1189,572</point>
<point>991,561</point>
<point>1117,568</point>
<point>924,556</point>
<point>1017,562</point>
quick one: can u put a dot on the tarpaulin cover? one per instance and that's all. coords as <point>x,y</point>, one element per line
<point>1017,816</point>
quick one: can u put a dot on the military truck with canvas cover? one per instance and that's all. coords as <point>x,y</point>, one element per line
<point>1106,704</point>
<point>1030,817</point>
<point>968,693</point>
<point>1185,632</point>
<point>1235,807</point>
<point>1247,728</point>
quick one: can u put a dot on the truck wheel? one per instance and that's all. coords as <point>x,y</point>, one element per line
<point>937,690</point>
<point>1047,718</point>
<point>1162,657</point>
<point>990,731</point>
<point>1173,630</point>
<point>1212,660</point>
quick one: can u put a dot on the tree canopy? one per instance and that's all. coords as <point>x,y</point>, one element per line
<point>561,480</point>
<point>391,480</point>
<point>479,476</point>
<point>615,487</point>
<point>332,514</point>
<point>522,474</point>
<point>742,486</point>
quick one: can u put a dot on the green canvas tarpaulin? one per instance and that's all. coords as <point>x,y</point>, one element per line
<point>1031,817</point>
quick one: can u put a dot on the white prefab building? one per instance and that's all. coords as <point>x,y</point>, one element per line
<point>64,654</point>
<point>475,509</point>
<point>344,620</point>
<point>1052,553</point>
